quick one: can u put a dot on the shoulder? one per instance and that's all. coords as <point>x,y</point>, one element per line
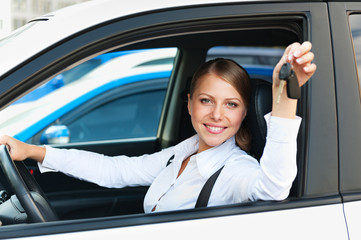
<point>240,161</point>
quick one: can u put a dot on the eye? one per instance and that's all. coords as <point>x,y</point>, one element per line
<point>205,100</point>
<point>232,104</point>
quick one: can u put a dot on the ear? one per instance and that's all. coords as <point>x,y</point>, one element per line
<point>189,104</point>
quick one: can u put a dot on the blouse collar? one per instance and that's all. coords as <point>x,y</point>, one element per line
<point>212,159</point>
<point>208,161</point>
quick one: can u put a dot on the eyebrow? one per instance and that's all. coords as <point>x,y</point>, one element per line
<point>237,99</point>
<point>228,99</point>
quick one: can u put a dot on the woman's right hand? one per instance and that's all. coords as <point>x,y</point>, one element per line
<point>301,57</point>
<point>20,151</point>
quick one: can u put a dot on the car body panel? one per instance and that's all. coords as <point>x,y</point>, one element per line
<point>231,227</point>
<point>348,99</point>
<point>349,112</point>
<point>353,212</point>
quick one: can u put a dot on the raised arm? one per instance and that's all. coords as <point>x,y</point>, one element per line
<point>278,169</point>
<point>300,57</point>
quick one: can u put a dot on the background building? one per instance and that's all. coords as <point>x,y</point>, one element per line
<point>16,13</point>
<point>5,21</point>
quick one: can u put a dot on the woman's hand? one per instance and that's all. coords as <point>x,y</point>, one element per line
<point>300,57</point>
<point>20,151</point>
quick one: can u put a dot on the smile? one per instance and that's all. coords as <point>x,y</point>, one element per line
<point>213,129</point>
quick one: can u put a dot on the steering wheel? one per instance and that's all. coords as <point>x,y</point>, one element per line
<point>26,189</point>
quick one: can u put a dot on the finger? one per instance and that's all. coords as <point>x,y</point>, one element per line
<point>305,59</point>
<point>4,139</point>
<point>310,69</point>
<point>303,49</point>
<point>7,141</point>
<point>290,50</point>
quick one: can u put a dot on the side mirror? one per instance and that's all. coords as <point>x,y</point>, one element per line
<point>56,134</point>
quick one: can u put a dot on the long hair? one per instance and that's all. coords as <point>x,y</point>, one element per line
<point>237,77</point>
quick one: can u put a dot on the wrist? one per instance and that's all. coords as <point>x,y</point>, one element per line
<point>285,107</point>
<point>37,153</point>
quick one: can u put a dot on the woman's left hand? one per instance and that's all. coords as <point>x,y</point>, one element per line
<point>300,57</point>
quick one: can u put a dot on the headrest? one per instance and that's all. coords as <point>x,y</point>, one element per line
<point>260,104</point>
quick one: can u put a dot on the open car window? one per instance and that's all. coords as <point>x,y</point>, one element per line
<point>131,101</point>
<point>114,104</point>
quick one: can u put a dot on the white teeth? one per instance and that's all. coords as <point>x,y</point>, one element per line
<point>216,129</point>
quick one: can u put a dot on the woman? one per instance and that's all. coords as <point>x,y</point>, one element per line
<point>217,103</point>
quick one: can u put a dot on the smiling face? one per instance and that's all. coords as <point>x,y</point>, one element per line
<point>216,110</point>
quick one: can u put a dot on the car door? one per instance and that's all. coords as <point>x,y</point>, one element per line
<point>314,208</point>
<point>345,19</point>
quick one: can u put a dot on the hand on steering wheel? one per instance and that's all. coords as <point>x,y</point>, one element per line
<point>27,190</point>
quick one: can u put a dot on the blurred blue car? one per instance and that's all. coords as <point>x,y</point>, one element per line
<point>72,75</point>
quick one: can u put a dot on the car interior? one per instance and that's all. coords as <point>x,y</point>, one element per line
<point>75,199</point>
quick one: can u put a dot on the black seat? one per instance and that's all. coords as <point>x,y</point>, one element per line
<point>260,104</point>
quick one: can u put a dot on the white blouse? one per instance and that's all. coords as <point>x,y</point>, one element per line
<point>243,178</point>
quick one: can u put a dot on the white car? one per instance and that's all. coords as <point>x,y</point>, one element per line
<point>325,199</point>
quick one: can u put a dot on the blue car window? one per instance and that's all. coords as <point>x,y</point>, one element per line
<point>127,117</point>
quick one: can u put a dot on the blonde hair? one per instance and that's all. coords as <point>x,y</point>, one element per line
<point>237,76</point>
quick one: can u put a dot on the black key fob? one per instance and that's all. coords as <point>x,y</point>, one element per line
<point>293,88</point>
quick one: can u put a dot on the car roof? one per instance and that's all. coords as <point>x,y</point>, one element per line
<point>39,33</point>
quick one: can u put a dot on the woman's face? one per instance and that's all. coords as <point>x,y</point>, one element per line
<point>216,110</point>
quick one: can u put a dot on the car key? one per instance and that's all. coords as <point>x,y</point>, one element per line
<point>284,74</point>
<point>288,75</point>
<point>280,90</point>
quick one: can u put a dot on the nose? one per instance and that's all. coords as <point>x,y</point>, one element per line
<point>217,112</point>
